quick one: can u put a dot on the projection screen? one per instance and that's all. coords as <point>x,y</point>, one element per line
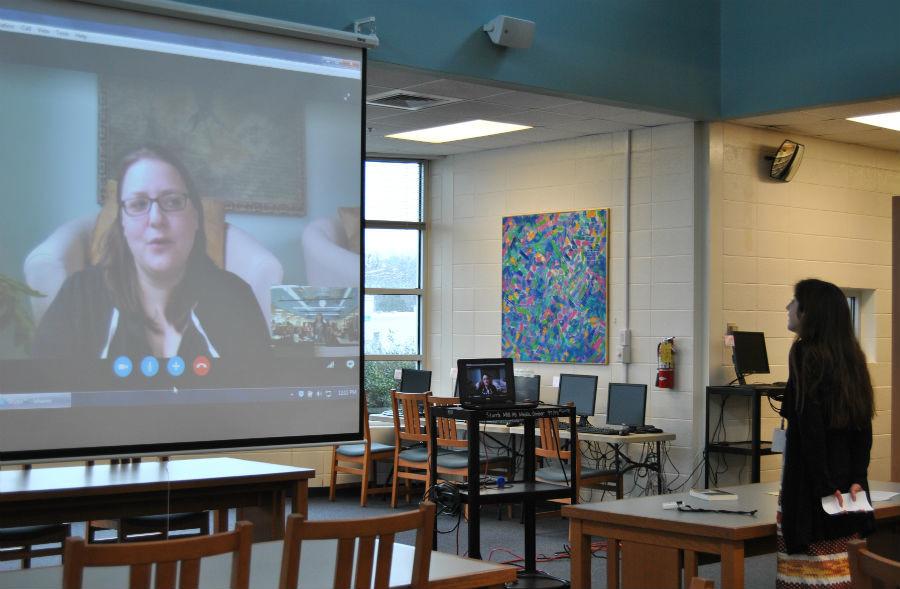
<point>178,269</point>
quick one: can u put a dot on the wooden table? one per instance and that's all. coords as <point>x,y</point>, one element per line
<point>79,493</point>
<point>616,442</point>
<point>316,570</point>
<point>663,539</point>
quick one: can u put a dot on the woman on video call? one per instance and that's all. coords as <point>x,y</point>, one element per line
<point>829,407</point>
<point>155,291</point>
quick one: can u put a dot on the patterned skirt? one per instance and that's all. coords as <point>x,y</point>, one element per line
<point>824,564</point>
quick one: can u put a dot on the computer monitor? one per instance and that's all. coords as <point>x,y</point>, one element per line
<point>626,404</point>
<point>415,381</point>
<point>580,389</point>
<point>528,388</point>
<point>485,382</point>
<point>749,354</point>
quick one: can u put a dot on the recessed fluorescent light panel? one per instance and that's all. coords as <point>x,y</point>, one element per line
<point>888,120</point>
<point>458,131</point>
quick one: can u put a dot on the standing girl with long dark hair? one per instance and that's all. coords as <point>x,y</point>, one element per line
<point>829,406</point>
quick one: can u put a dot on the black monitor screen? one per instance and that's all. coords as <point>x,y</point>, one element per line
<point>528,388</point>
<point>485,380</point>
<point>626,404</point>
<point>415,381</point>
<point>580,389</point>
<point>750,353</point>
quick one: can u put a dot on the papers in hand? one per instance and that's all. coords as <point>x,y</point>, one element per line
<point>831,506</point>
<point>713,494</point>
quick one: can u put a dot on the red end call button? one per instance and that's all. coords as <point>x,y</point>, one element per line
<point>201,365</point>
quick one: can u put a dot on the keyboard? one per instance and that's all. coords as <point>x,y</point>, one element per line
<point>509,422</point>
<point>582,429</point>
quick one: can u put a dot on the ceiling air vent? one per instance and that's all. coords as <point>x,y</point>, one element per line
<point>407,100</point>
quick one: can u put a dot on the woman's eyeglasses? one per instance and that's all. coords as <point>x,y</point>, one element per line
<point>170,203</point>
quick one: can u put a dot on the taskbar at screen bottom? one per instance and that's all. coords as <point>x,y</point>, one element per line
<point>174,396</point>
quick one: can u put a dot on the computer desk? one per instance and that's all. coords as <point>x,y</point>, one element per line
<point>616,442</point>
<point>78,493</point>
<point>447,571</point>
<point>655,541</point>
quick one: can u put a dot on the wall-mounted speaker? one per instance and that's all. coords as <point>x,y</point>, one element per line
<point>508,31</point>
<point>786,162</point>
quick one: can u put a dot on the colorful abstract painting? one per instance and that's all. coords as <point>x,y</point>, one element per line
<point>555,287</point>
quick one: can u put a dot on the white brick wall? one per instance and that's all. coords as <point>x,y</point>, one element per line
<point>477,190</point>
<point>833,221</point>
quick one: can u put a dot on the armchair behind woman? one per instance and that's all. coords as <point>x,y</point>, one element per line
<point>331,252</point>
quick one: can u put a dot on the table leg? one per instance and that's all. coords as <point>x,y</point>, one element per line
<point>612,563</point>
<point>733,566</point>
<point>690,567</point>
<point>267,520</point>
<point>580,544</point>
<point>300,500</point>
<point>659,467</point>
<point>220,521</point>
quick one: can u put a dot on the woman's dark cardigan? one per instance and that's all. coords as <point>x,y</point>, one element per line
<point>818,461</point>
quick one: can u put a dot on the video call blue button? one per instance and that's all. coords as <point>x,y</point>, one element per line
<point>122,366</point>
<point>175,366</point>
<point>149,366</point>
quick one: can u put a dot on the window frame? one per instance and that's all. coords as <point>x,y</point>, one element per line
<point>420,291</point>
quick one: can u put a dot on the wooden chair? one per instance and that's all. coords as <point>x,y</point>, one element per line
<point>21,542</point>
<point>356,558</point>
<point>701,583</point>
<point>362,459</point>
<point>149,527</point>
<point>167,555</point>
<point>453,455</point>
<point>549,448</point>
<point>412,439</point>
<point>869,570</point>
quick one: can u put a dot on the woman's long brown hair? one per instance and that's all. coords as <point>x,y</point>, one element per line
<point>831,357</point>
<point>119,271</point>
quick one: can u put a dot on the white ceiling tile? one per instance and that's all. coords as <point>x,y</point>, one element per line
<point>391,76</point>
<point>828,127</point>
<point>528,100</point>
<point>594,126</point>
<point>784,118</point>
<point>375,113</point>
<point>539,118</point>
<point>589,110</point>
<point>373,90</point>
<point>844,111</point>
<point>647,119</point>
<point>455,89</point>
<point>869,134</point>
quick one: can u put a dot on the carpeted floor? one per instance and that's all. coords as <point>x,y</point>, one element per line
<point>501,539</point>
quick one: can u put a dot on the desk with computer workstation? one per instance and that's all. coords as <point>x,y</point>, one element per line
<point>625,423</point>
<point>604,447</point>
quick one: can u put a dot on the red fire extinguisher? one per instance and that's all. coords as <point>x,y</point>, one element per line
<point>665,364</point>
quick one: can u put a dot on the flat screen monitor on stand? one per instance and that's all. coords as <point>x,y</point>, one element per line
<point>626,404</point>
<point>528,388</point>
<point>749,354</point>
<point>580,389</point>
<point>415,381</point>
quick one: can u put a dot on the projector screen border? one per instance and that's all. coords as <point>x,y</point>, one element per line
<point>247,21</point>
